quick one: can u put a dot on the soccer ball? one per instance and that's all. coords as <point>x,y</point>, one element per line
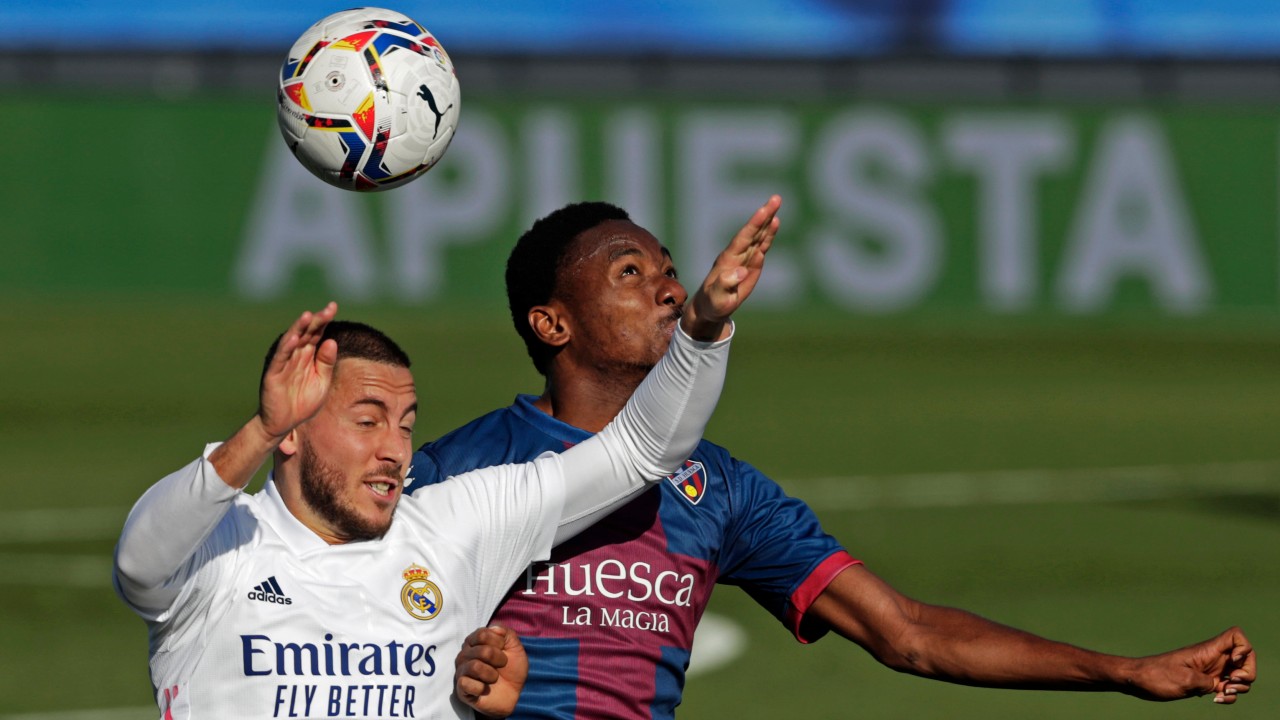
<point>368,99</point>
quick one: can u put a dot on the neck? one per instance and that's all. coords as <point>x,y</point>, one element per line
<point>590,400</point>
<point>290,489</point>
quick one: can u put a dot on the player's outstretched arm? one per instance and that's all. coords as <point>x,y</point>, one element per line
<point>957,646</point>
<point>490,671</point>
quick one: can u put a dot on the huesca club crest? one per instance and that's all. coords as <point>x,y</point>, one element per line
<point>421,597</point>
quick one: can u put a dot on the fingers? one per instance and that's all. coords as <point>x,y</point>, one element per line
<point>470,689</point>
<point>737,268</point>
<point>478,662</point>
<point>474,678</point>
<point>482,654</point>
<point>1228,693</point>
<point>769,228</point>
<point>758,234</point>
<point>1229,688</point>
<point>311,325</point>
<point>1242,652</point>
<point>764,220</point>
<point>1240,670</point>
<point>1242,664</point>
<point>511,641</point>
<point>299,341</point>
<point>728,281</point>
<point>486,642</point>
<point>299,374</point>
<point>733,277</point>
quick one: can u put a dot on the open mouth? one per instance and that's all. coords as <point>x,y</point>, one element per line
<point>382,488</point>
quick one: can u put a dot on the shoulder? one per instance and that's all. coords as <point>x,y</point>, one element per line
<point>248,516</point>
<point>747,490</point>
<point>469,446</point>
<point>713,478</point>
<point>713,452</point>
<point>717,458</point>
<point>496,422</point>
<point>515,434</point>
<point>259,518</point>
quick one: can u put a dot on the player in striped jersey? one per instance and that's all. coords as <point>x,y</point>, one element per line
<point>594,297</point>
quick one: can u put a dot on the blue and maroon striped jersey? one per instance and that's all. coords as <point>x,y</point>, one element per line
<point>608,621</point>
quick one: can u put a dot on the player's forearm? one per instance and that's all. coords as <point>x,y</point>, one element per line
<point>238,459</point>
<point>164,529</point>
<point>665,418</point>
<point>656,431</point>
<point>957,646</point>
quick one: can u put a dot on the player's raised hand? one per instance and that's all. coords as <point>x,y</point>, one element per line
<point>299,373</point>
<point>733,276</point>
<point>1224,666</point>
<point>490,671</point>
<point>293,389</point>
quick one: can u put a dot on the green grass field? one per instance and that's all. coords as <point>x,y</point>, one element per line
<point>1115,487</point>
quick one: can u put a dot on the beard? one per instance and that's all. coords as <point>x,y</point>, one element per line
<point>322,486</point>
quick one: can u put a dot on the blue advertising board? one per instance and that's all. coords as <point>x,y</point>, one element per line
<point>731,28</point>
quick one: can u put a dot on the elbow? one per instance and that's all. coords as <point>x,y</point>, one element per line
<point>907,649</point>
<point>130,576</point>
<point>903,656</point>
<point>136,571</point>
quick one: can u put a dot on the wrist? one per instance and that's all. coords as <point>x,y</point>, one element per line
<point>698,327</point>
<point>1127,676</point>
<point>261,435</point>
<point>237,459</point>
<point>705,332</point>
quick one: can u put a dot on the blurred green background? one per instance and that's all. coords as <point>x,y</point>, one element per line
<point>1017,344</point>
<point>1116,488</point>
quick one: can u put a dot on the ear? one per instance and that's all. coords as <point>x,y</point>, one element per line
<point>550,324</point>
<point>289,445</point>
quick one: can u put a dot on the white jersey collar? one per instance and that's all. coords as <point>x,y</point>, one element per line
<point>297,536</point>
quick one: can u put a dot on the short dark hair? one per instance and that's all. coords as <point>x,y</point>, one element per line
<point>355,340</point>
<point>533,268</point>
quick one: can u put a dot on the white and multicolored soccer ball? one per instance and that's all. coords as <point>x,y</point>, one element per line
<point>368,99</point>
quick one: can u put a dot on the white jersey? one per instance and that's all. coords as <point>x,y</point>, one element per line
<point>252,615</point>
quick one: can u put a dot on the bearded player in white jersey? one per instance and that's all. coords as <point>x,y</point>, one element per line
<point>306,599</point>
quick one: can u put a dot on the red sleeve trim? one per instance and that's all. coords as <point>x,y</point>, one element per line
<point>810,589</point>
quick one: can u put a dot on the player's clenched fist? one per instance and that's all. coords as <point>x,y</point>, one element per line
<point>1224,666</point>
<point>490,671</point>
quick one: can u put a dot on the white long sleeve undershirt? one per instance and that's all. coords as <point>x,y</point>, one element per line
<point>655,432</point>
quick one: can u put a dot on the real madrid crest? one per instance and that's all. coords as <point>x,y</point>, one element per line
<point>420,596</point>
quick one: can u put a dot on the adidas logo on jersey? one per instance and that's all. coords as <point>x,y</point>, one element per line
<point>269,591</point>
